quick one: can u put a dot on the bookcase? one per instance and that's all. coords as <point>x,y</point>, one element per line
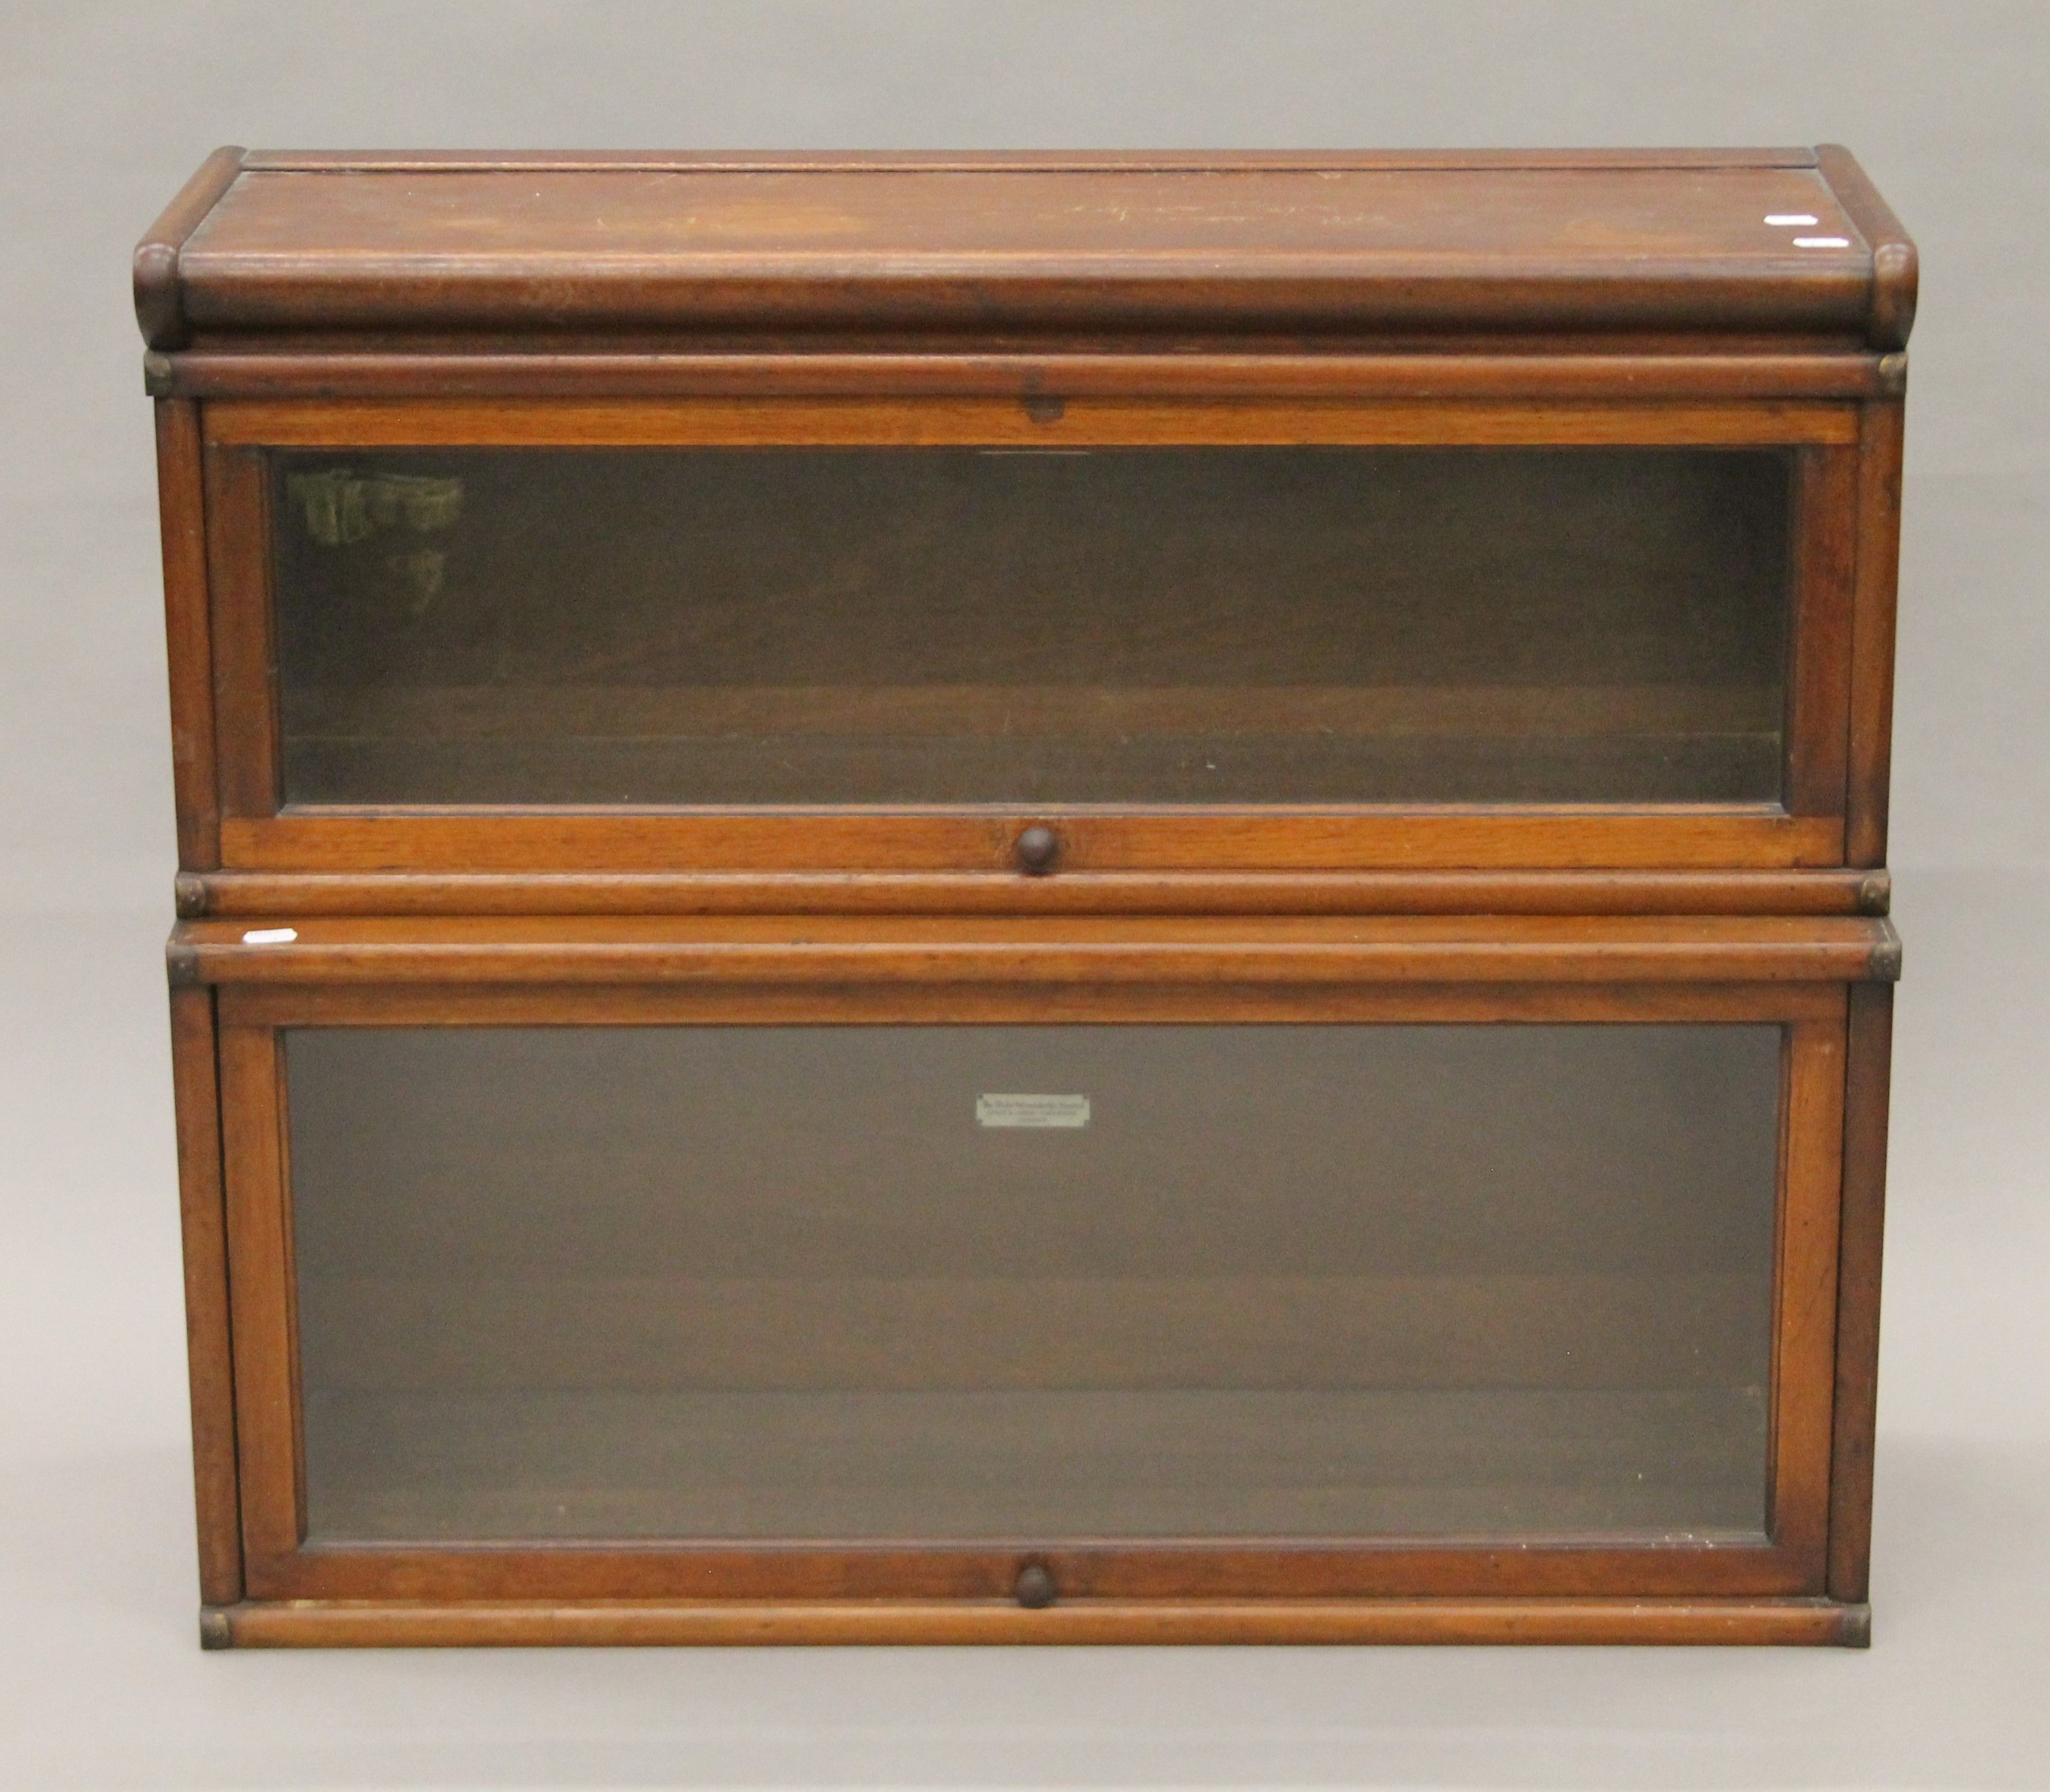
<point>1031,898</point>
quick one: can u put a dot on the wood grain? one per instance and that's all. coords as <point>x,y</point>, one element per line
<point>1193,840</point>
<point>261,1285</point>
<point>216,1496</point>
<point>945,421</point>
<point>1868,1055</point>
<point>1131,246</point>
<point>188,631</point>
<point>1002,950</point>
<point>1804,1328</point>
<point>483,1004</point>
<point>552,370</point>
<point>1895,269</point>
<point>1818,684</point>
<point>1042,160</point>
<point>1871,751</point>
<point>421,1624</point>
<point>158,286</point>
<point>229,893</point>
<point>244,654</point>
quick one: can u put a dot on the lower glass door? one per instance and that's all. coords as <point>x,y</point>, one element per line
<point>571,1283</point>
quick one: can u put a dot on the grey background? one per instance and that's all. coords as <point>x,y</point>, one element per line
<point>105,109</point>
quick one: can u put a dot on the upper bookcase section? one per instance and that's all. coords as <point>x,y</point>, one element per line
<point>1744,251</point>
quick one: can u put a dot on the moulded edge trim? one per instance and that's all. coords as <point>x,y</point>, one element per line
<point>346,1623</point>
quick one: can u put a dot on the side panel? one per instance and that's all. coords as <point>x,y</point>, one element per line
<point>1872,641</point>
<point>1818,684</point>
<point>196,1094</point>
<point>244,662</point>
<point>260,1247</point>
<point>1869,1054</point>
<point>188,632</point>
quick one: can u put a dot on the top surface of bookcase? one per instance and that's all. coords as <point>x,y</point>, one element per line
<point>1738,248</point>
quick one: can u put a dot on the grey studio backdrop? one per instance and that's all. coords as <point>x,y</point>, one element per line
<point>104,110</point>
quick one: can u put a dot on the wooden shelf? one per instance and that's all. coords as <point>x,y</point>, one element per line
<point>998,743</point>
<point>575,713</point>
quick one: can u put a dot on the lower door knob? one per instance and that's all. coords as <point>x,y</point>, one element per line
<point>1037,849</point>
<point>1035,1588</point>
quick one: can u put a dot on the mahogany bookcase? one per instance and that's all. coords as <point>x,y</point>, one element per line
<point>1031,898</point>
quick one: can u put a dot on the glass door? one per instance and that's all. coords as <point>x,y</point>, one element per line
<point>888,635</point>
<point>960,626</point>
<point>1047,1282</point>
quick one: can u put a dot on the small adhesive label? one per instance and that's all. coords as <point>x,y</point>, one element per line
<point>1032,1110</point>
<point>270,936</point>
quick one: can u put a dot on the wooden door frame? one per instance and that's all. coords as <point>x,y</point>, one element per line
<point>280,1566</point>
<point>1832,582</point>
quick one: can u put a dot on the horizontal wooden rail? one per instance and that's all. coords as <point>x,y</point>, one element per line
<point>318,1625</point>
<point>1406,949</point>
<point>560,372</point>
<point>390,893</point>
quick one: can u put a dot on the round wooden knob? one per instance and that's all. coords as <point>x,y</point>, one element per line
<point>1035,1589</point>
<point>1037,849</point>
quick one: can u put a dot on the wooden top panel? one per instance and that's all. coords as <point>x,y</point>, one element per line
<point>1162,246</point>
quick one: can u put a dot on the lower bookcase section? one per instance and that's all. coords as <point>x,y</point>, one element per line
<point>1397,1279</point>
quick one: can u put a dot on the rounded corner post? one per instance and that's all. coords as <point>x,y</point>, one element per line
<point>1854,1627</point>
<point>1896,280</point>
<point>216,1629</point>
<point>159,290</point>
<point>182,963</point>
<point>158,307</point>
<point>1896,267</point>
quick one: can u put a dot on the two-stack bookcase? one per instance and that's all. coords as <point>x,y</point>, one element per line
<point>1031,898</point>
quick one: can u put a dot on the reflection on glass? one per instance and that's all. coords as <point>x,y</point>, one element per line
<point>1208,1281</point>
<point>797,626</point>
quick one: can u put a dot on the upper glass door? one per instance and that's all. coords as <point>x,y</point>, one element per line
<point>1135,626</point>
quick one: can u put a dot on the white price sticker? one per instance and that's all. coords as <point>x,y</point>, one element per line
<point>1032,1110</point>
